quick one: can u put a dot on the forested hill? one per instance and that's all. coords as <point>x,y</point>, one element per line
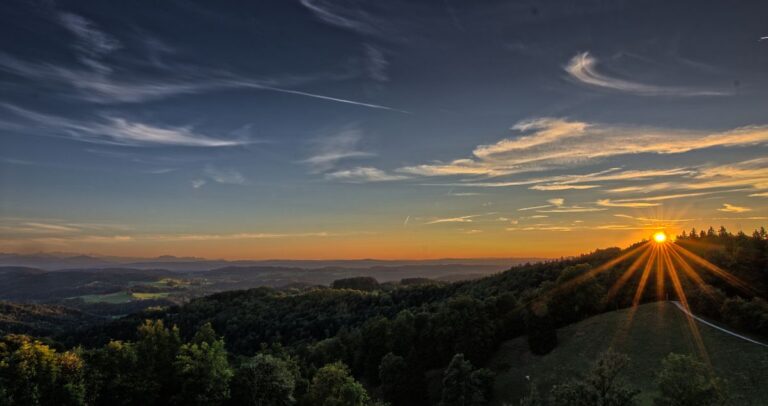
<point>397,339</point>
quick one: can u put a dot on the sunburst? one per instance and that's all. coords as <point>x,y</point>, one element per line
<point>669,263</point>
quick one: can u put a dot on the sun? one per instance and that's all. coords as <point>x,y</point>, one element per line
<point>660,237</point>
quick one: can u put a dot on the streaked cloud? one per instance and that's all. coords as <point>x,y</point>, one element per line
<point>556,202</point>
<point>223,175</point>
<point>534,207</point>
<point>609,203</point>
<point>547,143</point>
<point>119,131</point>
<point>94,83</point>
<point>376,63</point>
<point>540,227</point>
<point>752,173</point>
<point>572,209</point>
<point>331,149</point>
<point>91,44</point>
<point>582,67</point>
<point>556,187</point>
<point>462,219</point>
<point>642,201</point>
<point>362,174</point>
<point>343,16</point>
<point>731,208</point>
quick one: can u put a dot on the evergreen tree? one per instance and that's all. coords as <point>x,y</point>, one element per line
<point>465,386</point>
<point>540,328</point>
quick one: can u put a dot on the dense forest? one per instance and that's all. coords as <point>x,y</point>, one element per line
<point>360,343</point>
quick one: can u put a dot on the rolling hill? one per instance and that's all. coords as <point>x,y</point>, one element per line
<point>658,329</point>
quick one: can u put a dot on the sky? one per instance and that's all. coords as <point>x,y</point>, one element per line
<point>369,129</point>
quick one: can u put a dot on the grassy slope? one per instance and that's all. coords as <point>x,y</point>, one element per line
<point>658,329</point>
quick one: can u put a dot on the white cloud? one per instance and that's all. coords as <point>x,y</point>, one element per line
<point>226,176</point>
<point>549,143</point>
<point>556,202</point>
<point>462,219</point>
<point>363,174</point>
<point>198,183</point>
<point>91,41</point>
<point>582,68</point>
<point>340,16</point>
<point>121,131</point>
<point>572,209</point>
<point>534,207</point>
<point>332,149</point>
<point>376,63</point>
<point>609,203</point>
<point>95,83</point>
<point>730,208</point>
<point>557,187</point>
<point>540,228</point>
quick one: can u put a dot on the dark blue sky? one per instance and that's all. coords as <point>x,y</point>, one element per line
<point>327,128</point>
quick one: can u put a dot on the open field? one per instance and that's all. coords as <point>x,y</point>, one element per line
<point>657,330</point>
<point>122,297</point>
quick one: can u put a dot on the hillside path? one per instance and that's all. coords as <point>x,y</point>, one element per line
<point>700,320</point>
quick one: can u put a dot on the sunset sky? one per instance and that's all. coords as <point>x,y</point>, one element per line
<point>382,129</point>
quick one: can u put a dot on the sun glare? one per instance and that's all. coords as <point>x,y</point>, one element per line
<point>664,261</point>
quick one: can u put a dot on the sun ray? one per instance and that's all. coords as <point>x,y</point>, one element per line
<point>683,299</point>
<point>629,273</point>
<point>689,271</point>
<point>644,278</point>
<point>734,281</point>
<point>594,271</point>
<point>660,274</point>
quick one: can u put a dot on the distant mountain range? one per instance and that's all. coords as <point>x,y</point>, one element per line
<point>58,261</point>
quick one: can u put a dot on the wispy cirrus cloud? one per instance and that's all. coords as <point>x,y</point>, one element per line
<point>376,63</point>
<point>460,219</point>
<point>118,131</point>
<point>557,205</point>
<point>652,201</point>
<point>752,173</point>
<point>582,67</point>
<point>345,16</point>
<point>92,44</point>
<point>547,143</point>
<point>95,83</point>
<point>630,204</point>
<point>224,175</point>
<point>35,227</point>
<point>100,80</point>
<point>572,209</point>
<point>331,149</point>
<point>363,174</point>
<point>732,208</point>
<point>556,187</point>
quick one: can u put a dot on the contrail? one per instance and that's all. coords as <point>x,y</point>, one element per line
<point>320,96</point>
